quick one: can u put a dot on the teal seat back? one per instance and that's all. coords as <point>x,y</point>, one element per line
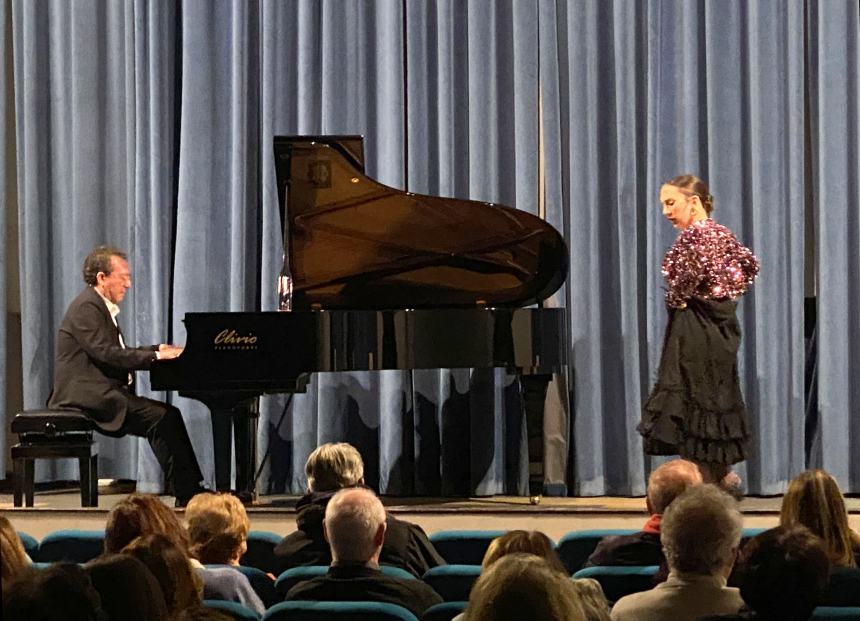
<point>575,547</point>
<point>233,609</point>
<point>261,551</point>
<point>463,547</point>
<point>452,582</point>
<point>76,546</point>
<point>444,611</point>
<point>618,581</point>
<point>836,613</point>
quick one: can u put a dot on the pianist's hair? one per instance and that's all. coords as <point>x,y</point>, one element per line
<point>694,186</point>
<point>98,260</point>
<point>334,465</point>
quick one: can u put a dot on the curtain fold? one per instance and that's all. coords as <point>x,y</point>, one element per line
<point>834,62</point>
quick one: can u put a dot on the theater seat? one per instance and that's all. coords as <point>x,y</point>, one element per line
<point>76,546</point>
<point>444,611</point>
<point>452,582</point>
<point>341,611</point>
<point>234,610</point>
<point>575,547</point>
<point>835,613</point>
<point>291,577</point>
<point>463,547</point>
<point>261,551</point>
<point>618,581</point>
<point>30,543</point>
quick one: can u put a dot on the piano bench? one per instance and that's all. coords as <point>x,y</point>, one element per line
<point>52,434</point>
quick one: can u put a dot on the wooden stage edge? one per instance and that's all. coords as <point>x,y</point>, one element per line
<point>56,510</point>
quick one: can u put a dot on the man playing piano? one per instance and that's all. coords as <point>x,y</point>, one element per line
<point>94,371</point>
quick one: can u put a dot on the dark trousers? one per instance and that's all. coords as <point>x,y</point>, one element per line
<point>162,425</point>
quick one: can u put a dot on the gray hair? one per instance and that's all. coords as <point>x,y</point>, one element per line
<point>332,466</point>
<point>701,530</point>
<point>352,519</point>
<point>669,481</point>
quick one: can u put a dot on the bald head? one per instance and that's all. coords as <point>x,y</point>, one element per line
<point>669,481</point>
<point>355,526</point>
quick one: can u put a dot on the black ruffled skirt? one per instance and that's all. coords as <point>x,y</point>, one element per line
<point>696,409</point>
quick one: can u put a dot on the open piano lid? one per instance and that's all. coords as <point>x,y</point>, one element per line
<point>353,243</point>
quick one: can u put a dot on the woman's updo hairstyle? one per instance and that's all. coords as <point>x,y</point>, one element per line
<point>694,187</point>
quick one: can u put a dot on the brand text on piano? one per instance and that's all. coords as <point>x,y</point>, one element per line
<point>231,339</point>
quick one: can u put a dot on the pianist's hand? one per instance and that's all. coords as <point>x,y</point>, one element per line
<point>166,352</point>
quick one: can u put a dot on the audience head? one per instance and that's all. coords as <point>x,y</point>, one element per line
<point>813,500</point>
<point>128,590</point>
<point>333,466</point>
<point>783,573</point>
<point>201,613</point>
<point>61,592</point>
<point>355,526</point>
<point>13,557</point>
<point>526,542</point>
<point>670,480</point>
<point>701,530</point>
<point>179,584</point>
<point>217,528</point>
<point>523,586</point>
<point>591,599</point>
<point>142,514</point>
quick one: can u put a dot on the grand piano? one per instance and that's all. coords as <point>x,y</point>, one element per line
<point>374,278</point>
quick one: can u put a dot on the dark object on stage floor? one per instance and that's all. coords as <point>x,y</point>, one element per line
<point>375,278</point>
<point>52,434</point>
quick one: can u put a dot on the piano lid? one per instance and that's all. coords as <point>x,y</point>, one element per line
<point>354,243</point>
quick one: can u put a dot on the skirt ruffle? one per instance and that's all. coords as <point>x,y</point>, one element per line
<point>674,425</point>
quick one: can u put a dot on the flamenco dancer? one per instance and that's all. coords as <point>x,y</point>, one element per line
<point>696,409</point>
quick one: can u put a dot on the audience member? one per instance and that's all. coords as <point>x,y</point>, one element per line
<point>61,592</point>
<point>591,599</point>
<point>666,483</point>
<point>783,575</point>
<point>814,500</point>
<point>523,542</point>
<point>179,584</point>
<point>355,526</point>
<point>128,590</point>
<point>527,542</point>
<point>329,468</point>
<point>700,532</point>
<point>13,558</point>
<point>524,586</point>
<point>144,514</point>
<point>218,528</point>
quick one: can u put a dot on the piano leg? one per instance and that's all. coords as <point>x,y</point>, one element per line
<point>222,424</point>
<point>236,423</point>
<point>245,417</point>
<point>533,392</point>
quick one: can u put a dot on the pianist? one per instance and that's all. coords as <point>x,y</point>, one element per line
<point>94,371</point>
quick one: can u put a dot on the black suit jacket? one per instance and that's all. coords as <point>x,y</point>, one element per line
<point>91,368</point>
<point>358,583</point>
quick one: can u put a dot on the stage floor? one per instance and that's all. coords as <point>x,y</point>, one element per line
<point>56,509</point>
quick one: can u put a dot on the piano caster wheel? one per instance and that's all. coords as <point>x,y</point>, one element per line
<point>535,500</point>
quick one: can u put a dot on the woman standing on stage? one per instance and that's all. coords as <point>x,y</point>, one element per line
<point>696,409</point>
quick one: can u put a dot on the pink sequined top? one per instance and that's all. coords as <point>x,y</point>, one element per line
<point>707,261</point>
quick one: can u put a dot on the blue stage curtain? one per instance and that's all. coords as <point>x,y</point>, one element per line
<point>647,91</point>
<point>95,153</point>
<point>149,125</point>
<point>834,62</point>
<point>7,170</point>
